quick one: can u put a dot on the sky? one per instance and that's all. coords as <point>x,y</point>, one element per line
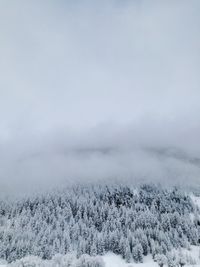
<point>99,89</point>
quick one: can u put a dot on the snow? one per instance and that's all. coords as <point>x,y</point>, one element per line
<point>3,263</point>
<point>194,252</point>
<point>196,200</point>
<point>112,260</point>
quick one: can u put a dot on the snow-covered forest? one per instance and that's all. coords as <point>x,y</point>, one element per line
<point>99,133</point>
<point>96,219</point>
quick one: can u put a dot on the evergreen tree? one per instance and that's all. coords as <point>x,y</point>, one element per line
<point>161,259</point>
<point>137,253</point>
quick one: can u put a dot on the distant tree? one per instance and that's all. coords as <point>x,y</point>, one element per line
<point>137,253</point>
<point>161,259</point>
<point>87,261</point>
<point>181,259</point>
<point>171,260</point>
<point>127,254</point>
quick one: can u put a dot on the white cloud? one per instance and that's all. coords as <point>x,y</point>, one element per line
<point>103,74</point>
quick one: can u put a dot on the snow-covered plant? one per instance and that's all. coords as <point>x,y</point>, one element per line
<point>161,259</point>
<point>96,219</point>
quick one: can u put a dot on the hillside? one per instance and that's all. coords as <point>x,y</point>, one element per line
<point>96,220</point>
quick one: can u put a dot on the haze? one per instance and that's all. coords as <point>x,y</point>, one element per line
<point>95,90</point>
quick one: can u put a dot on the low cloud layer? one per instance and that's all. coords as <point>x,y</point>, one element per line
<point>99,90</point>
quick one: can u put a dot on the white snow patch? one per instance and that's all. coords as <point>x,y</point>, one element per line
<point>135,192</point>
<point>194,252</point>
<point>196,200</point>
<point>3,263</point>
<point>112,260</point>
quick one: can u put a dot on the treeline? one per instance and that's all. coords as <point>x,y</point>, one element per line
<point>94,220</point>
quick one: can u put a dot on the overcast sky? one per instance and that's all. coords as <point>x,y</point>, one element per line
<point>97,89</point>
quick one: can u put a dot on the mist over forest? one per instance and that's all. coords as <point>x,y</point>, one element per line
<point>95,91</point>
<point>99,133</point>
